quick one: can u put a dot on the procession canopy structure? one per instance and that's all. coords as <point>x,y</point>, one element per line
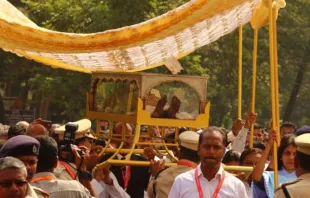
<point>116,96</point>
<point>132,48</point>
<point>152,105</point>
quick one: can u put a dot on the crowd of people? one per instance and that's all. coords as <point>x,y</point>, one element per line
<point>36,160</point>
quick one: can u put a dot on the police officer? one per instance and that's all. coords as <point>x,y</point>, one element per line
<point>13,181</point>
<point>67,170</point>
<point>161,182</point>
<point>26,149</point>
<point>299,187</point>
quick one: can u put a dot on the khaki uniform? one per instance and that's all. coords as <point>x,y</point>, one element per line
<point>61,172</point>
<point>34,192</point>
<point>60,188</point>
<point>160,186</point>
<point>164,181</point>
<point>298,188</point>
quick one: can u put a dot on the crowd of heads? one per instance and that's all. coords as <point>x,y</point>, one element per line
<point>34,148</point>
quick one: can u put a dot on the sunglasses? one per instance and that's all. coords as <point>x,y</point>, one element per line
<point>9,183</point>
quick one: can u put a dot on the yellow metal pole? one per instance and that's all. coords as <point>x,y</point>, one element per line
<point>136,139</point>
<point>276,72</point>
<point>240,74</point>
<point>110,128</point>
<point>165,146</point>
<point>117,151</point>
<point>105,148</point>
<point>254,82</point>
<point>147,163</point>
<point>156,144</point>
<point>136,151</point>
<point>272,87</point>
<point>129,102</point>
<point>98,128</point>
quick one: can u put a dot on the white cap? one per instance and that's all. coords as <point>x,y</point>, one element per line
<point>83,130</point>
<point>189,139</point>
<point>303,143</point>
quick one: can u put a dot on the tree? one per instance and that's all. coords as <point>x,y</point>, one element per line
<point>64,91</point>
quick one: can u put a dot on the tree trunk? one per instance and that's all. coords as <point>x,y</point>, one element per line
<point>46,102</point>
<point>8,88</point>
<point>298,82</point>
<point>2,113</point>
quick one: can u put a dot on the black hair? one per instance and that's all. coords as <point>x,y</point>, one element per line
<point>286,141</point>
<point>304,160</point>
<point>259,145</point>
<point>48,153</point>
<point>260,127</point>
<point>247,152</point>
<point>212,129</point>
<point>288,124</point>
<point>230,156</point>
<point>15,130</point>
<point>189,154</point>
<point>171,136</point>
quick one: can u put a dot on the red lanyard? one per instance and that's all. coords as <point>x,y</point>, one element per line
<point>217,190</point>
<point>187,163</point>
<point>126,176</point>
<point>47,177</point>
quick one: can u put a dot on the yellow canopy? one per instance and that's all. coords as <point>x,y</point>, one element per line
<point>132,48</point>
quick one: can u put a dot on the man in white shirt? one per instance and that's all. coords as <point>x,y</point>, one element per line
<point>239,132</point>
<point>106,185</point>
<point>209,179</point>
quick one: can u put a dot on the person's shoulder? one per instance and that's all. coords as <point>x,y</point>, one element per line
<point>289,185</point>
<point>69,182</point>
<point>72,185</point>
<point>186,175</point>
<point>40,192</point>
<point>232,179</point>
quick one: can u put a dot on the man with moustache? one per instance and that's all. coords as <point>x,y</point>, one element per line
<point>13,181</point>
<point>209,179</point>
<point>26,149</point>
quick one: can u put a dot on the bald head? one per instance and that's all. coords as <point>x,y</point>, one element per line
<point>35,130</point>
<point>23,124</point>
<point>118,130</point>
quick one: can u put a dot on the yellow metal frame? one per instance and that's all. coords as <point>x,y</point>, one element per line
<point>142,117</point>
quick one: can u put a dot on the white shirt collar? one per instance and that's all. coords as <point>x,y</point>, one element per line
<point>218,174</point>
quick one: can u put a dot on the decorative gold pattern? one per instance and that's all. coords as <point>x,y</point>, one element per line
<point>133,48</point>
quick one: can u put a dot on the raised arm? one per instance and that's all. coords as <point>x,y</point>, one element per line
<point>260,166</point>
<point>242,127</point>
